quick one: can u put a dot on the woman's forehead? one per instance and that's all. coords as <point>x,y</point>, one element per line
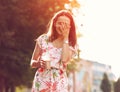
<point>63,18</point>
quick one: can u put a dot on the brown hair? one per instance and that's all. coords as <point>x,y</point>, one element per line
<point>52,29</point>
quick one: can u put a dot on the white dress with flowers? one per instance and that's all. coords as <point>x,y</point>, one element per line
<point>51,80</point>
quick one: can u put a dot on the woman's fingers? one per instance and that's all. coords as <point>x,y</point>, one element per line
<point>42,64</point>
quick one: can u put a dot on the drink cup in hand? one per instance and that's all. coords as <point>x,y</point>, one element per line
<point>46,58</point>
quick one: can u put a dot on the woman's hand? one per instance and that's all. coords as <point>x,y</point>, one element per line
<point>65,28</point>
<point>38,64</point>
<point>42,64</point>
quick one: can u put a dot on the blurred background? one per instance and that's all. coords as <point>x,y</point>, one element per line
<point>22,21</point>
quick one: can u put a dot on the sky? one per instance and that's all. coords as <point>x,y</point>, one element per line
<point>100,32</point>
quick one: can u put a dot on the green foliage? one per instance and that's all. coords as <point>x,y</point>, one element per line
<point>21,22</point>
<point>74,63</point>
<point>117,86</point>
<point>105,84</point>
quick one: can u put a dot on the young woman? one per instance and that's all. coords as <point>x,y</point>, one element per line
<point>52,53</point>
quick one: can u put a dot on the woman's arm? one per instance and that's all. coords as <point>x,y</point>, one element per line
<point>66,52</point>
<point>36,54</point>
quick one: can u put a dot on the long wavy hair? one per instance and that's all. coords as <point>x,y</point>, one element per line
<point>53,34</point>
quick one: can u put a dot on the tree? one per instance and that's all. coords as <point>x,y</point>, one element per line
<point>105,84</point>
<point>117,85</point>
<point>21,22</point>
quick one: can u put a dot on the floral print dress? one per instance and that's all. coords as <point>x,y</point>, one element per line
<point>50,80</point>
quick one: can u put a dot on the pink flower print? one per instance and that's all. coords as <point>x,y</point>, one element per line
<point>61,71</point>
<point>54,87</point>
<point>44,50</point>
<point>45,90</point>
<point>48,83</point>
<point>40,70</point>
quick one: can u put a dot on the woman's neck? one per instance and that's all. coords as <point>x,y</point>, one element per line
<point>60,38</point>
<point>58,42</point>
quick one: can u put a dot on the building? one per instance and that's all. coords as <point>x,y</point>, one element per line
<point>98,71</point>
<point>89,77</point>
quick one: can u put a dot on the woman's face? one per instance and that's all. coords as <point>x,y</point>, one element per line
<point>62,24</point>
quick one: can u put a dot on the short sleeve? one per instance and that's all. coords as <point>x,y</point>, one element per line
<point>38,41</point>
<point>41,39</point>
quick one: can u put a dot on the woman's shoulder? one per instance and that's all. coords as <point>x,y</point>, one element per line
<point>42,37</point>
